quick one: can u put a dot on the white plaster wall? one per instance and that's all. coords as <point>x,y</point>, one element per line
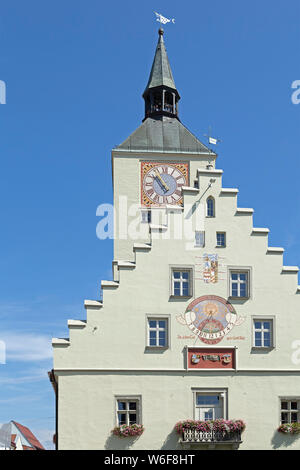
<point>115,335</point>
<point>86,422</point>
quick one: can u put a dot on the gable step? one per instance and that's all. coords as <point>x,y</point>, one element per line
<point>244,210</point>
<point>76,323</point>
<point>190,189</point>
<point>95,304</point>
<point>204,171</point>
<point>232,191</point>
<point>126,264</point>
<point>273,249</point>
<point>260,230</point>
<point>109,284</point>
<point>289,269</point>
<point>141,246</point>
<point>60,342</point>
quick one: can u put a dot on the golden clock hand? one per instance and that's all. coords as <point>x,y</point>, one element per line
<point>161,180</point>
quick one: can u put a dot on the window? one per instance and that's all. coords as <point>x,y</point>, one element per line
<point>128,411</point>
<point>181,282</point>
<point>209,405</point>
<point>196,184</point>
<point>239,284</point>
<point>200,239</point>
<point>263,333</point>
<point>210,207</point>
<point>221,239</point>
<point>146,216</point>
<point>289,410</point>
<point>157,332</point>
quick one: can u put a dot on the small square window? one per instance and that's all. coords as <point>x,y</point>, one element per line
<point>128,411</point>
<point>200,239</point>
<point>289,411</point>
<point>146,216</point>
<point>157,332</point>
<point>221,239</point>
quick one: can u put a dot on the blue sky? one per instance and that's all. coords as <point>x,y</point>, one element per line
<point>75,72</point>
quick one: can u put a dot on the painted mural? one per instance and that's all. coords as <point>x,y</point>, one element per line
<point>210,318</point>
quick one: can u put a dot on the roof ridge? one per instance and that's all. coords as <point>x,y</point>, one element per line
<point>28,435</point>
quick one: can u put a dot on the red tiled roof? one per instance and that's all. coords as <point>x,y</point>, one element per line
<point>29,436</point>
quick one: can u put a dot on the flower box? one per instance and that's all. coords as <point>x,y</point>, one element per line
<point>128,431</point>
<point>218,425</point>
<point>289,428</point>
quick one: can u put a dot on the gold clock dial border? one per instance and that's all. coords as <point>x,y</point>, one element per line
<point>146,166</point>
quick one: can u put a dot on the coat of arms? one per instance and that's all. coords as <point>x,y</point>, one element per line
<point>210,268</point>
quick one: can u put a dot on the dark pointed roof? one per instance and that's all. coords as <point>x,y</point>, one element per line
<point>163,135</point>
<point>161,73</point>
<point>162,131</point>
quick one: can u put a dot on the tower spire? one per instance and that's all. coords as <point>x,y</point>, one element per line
<point>161,96</point>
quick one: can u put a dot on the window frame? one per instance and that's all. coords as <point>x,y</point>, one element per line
<point>240,270</point>
<point>128,398</point>
<point>157,318</point>
<point>262,318</point>
<point>203,234</point>
<point>146,216</point>
<point>225,240</point>
<point>289,399</point>
<point>210,198</point>
<point>181,269</point>
<point>210,391</point>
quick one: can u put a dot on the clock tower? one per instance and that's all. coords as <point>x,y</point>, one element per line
<point>154,165</point>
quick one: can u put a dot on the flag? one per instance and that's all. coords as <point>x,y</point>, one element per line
<point>162,19</point>
<point>213,141</point>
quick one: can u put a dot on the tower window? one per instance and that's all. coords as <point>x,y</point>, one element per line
<point>146,216</point>
<point>221,239</point>
<point>157,102</point>
<point>168,104</point>
<point>210,207</point>
<point>200,239</point>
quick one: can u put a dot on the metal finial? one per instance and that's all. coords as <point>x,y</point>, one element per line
<point>160,31</point>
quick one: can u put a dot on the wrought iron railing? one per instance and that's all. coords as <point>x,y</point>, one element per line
<point>191,435</point>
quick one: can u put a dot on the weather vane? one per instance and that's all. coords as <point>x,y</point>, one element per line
<point>162,20</point>
<point>210,139</point>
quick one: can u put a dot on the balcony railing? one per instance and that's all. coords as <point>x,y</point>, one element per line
<point>191,436</point>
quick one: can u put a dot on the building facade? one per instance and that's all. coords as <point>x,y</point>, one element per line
<point>201,320</point>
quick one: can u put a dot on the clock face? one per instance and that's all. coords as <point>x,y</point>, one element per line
<point>162,183</point>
